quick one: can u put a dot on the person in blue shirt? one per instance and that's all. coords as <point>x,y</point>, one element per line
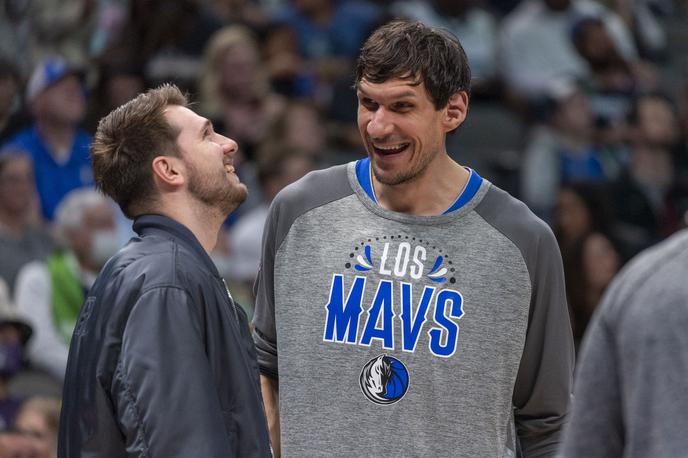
<point>57,146</point>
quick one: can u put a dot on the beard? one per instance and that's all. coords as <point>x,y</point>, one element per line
<point>216,191</point>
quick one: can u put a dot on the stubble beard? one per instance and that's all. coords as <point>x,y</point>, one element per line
<point>216,191</point>
<point>403,176</point>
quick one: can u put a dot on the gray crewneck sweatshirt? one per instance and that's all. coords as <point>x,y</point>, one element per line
<point>399,335</point>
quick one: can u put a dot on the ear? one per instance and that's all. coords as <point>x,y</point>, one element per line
<point>168,172</point>
<point>456,111</point>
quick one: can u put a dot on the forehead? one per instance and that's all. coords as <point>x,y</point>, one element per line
<point>392,89</point>
<point>183,119</point>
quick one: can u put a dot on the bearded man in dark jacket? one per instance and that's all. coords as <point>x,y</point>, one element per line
<point>161,363</point>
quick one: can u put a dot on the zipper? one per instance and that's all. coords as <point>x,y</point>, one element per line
<point>231,301</point>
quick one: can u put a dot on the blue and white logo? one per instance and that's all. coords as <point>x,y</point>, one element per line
<point>384,380</point>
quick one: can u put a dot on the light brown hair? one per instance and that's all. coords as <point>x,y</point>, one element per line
<point>127,141</point>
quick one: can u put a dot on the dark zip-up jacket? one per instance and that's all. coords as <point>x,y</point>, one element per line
<point>161,363</point>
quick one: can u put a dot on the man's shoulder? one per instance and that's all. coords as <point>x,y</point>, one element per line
<point>317,188</point>
<point>652,281</point>
<point>153,259</point>
<point>509,215</point>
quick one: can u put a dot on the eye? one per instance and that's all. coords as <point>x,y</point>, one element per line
<point>402,106</point>
<point>369,104</point>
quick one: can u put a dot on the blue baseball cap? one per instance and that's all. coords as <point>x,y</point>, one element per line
<point>47,73</point>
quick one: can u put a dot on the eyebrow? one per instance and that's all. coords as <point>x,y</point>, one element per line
<point>206,125</point>
<point>407,93</point>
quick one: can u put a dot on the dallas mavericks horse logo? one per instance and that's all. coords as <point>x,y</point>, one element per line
<point>384,380</point>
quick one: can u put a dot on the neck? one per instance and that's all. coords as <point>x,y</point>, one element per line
<point>203,221</point>
<point>429,194</point>
<point>58,137</point>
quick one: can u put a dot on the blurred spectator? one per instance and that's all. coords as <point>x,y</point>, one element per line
<point>590,264</point>
<point>651,197</point>
<point>643,20</point>
<point>562,150</point>
<point>535,43</point>
<point>14,334</point>
<point>15,34</point>
<point>581,208</point>
<point>22,237</point>
<point>473,25</point>
<point>12,116</point>
<point>235,91</point>
<point>118,82</point>
<point>614,79</point>
<point>57,146</point>
<point>63,27</point>
<point>111,17</point>
<point>329,33</point>
<point>15,445</point>
<point>288,71</point>
<point>39,420</point>
<point>166,38</point>
<point>298,127</point>
<point>51,293</point>
<point>252,13</point>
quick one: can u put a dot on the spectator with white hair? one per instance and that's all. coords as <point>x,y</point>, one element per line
<point>51,293</point>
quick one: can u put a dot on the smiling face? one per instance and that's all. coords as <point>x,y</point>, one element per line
<point>209,158</point>
<point>401,129</point>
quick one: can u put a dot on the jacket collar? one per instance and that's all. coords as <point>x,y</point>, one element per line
<point>167,227</point>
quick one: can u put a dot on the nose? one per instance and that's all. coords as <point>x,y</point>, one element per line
<point>380,125</point>
<point>229,146</point>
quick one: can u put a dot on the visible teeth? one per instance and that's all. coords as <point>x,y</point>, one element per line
<point>391,148</point>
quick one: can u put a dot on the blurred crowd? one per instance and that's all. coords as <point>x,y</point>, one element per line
<point>578,107</point>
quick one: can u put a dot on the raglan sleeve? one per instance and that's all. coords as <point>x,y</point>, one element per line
<point>264,330</point>
<point>542,392</point>
<point>163,386</point>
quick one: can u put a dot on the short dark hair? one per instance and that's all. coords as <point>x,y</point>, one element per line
<point>412,50</point>
<point>127,141</point>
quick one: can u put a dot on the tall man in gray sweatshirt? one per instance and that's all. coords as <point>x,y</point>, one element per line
<point>405,305</point>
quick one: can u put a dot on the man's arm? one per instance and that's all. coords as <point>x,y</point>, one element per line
<point>270,389</point>
<point>164,390</point>
<point>265,332</point>
<point>595,428</point>
<point>542,392</point>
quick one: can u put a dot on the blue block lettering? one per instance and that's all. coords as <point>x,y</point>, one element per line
<point>342,317</point>
<point>413,323</point>
<point>382,305</point>
<point>448,347</point>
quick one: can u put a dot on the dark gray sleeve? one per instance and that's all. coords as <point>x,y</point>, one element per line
<point>264,333</point>
<point>542,392</point>
<point>314,190</point>
<point>163,389</point>
<point>595,428</point>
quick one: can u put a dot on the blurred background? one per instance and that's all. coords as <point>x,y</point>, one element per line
<point>578,107</point>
